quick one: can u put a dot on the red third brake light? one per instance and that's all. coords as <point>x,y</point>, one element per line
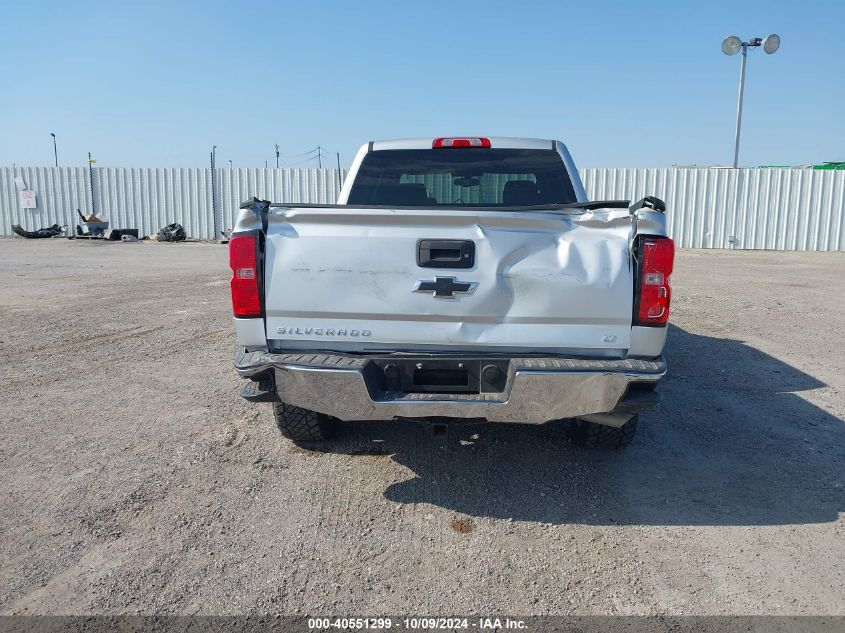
<point>243,260</point>
<point>460,142</point>
<point>657,255</point>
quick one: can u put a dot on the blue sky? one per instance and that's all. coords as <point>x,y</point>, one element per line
<point>622,83</point>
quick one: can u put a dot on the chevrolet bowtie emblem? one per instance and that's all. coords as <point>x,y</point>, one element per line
<point>445,287</point>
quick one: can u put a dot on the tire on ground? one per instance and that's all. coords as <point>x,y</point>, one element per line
<point>301,425</point>
<point>598,436</point>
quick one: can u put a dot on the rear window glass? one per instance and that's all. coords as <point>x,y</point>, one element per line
<point>462,177</point>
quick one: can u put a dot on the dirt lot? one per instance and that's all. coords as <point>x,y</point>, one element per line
<point>135,480</point>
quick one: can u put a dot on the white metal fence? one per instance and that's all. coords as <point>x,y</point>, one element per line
<point>149,198</point>
<point>781,209</point>
<point>776,209</point>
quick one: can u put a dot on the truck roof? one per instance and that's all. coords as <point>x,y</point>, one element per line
<point>506,142</point>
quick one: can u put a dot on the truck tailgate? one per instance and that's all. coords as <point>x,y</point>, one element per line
<point>348,279</point>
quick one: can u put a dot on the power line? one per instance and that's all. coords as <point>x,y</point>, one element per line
<point>318,154</point>
<point>305,160</point>
<point>299,162</point>
<point>310,151</point>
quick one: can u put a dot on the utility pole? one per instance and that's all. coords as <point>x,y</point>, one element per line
<point>55,151</point>
<point>91,162</point>
<point>339,177</point>
<point>319,157</point>
<point>213,192</point>
<point>277,155</point>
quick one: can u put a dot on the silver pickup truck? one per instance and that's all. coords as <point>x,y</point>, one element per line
<point>455,278</point>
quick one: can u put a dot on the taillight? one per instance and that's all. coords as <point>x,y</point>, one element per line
<point>243,259</point>
<point>460,142</point>
<point>656,256</point>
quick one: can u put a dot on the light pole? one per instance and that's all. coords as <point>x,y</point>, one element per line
<point>731,45</point>
<point>339,179</point>
<point>91,162</point>
<point>213,192</point>
<point>55,151</point>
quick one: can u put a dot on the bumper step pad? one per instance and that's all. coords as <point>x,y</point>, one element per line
<point>249,363</point>
<point>261,390</point>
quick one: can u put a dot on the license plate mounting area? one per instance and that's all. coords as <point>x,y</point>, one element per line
<point>446,376</point>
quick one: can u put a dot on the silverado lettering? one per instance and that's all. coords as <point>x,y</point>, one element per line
<point>321,332</point>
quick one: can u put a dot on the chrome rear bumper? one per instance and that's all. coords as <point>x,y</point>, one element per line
<point>537,389</point>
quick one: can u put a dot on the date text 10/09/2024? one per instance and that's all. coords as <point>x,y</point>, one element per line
<point>416,623</point>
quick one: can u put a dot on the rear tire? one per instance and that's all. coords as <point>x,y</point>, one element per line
<point>301,425</point>
<point>597,436</point>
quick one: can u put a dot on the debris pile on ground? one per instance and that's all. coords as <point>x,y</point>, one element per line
<point>97,228</point>
<point>114,235</point>
<point>91,225</point>
<point>172,233</point>
<point>50,231</point>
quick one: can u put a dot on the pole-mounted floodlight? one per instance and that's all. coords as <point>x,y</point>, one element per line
<point>731,45</point>
<point>771,43</point>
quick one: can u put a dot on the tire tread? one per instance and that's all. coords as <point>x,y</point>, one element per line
<point>597,436</point>
<point>300,425</point>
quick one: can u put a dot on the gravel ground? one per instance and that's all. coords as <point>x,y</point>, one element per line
<point>135,479</point>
